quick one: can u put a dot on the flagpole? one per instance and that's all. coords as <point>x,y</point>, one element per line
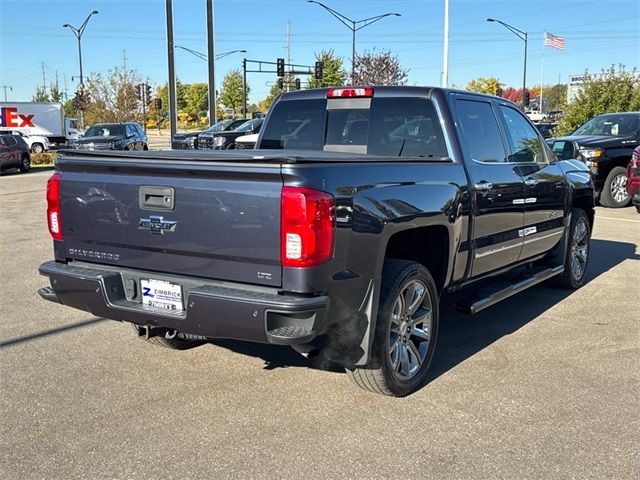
<point>544,35</point>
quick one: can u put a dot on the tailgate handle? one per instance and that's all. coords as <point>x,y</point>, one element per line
<point>156,198</point>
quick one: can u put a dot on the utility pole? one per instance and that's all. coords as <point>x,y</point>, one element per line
<point>244,88</point>
<point>288,50</point>
<point>173,107</point>
<point>445,58</point>
<point>211,62</point>
<point>44,78</point>
<point>64,78</point>
<point>5,90</point>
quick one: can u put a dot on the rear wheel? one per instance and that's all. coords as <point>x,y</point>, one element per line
<point>37,148</point>
<point>614,193</point>
<point>405,331</point>
<point>577,254</point>
<point>25,163</point>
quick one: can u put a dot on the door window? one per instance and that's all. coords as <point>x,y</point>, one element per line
<point>523,138</point>
<point>9,141</point>
<point>481,131</point>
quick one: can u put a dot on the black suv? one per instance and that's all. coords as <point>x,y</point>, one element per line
<point>113,136</point>
<point>227,140</point>
<point>605,143</point>
<point>189,140</point>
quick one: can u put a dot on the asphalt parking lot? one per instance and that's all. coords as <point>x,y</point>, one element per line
<point>543,385</point>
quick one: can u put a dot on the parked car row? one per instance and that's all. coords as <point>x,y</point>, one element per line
<point>223,135</point>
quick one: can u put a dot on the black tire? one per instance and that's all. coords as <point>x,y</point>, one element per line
<point>578,250</point>
<point>396,332</point>
<point>231,146</point>
<point>37,148</point>
<point>614,193</point>
<point>174,343</point>
<point>25,163</point>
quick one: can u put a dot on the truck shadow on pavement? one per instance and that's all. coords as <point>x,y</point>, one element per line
<point>461,336</point>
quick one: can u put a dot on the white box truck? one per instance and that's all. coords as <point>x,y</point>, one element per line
<point>45,119</point>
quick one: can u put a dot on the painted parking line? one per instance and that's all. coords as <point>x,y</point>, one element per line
<point>617,219</point>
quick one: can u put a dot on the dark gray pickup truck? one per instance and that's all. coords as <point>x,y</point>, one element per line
<point>338,236</point>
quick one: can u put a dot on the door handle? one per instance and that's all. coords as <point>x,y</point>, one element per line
<point>483,186</point>
<point>531,182</point>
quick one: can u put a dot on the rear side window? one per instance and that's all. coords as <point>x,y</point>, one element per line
<point>481,131</point>
<point>9,141</point>
<point>403,127</point>
<point>523,138</point>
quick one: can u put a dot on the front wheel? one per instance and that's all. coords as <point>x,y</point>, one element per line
<point>614,193</point>
<point>37,148</point>
<point>405,331</point>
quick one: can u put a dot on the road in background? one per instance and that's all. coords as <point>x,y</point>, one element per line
<point>543,385</point>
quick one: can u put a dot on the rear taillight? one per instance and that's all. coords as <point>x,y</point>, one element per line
<point>365,92</point>
<point>306,227</point>
<point>635,160</point>
<point>53,206</point>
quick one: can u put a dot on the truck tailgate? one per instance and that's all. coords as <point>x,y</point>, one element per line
<point>218,220</point>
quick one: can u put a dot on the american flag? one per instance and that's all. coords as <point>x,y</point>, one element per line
<point>554,41</point>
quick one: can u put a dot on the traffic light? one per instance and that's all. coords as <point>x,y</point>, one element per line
<point>147,93</point>
<point>280,83</point>
<point>318,70</point>
<point>280,67</point>
<point>297,84</point>
<point>158,102</point>
<point>138,89</point>
<point>527,97</point>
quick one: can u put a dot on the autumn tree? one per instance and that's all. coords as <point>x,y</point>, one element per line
<point>333,73</point>
<point>112,98</point>
<point>231,93</point>
<point>381,68</point>
<point>265,104</point>
<point>489,85</point>
<point>616,90</point>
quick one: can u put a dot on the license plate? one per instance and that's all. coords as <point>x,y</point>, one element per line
<point>161,294</point>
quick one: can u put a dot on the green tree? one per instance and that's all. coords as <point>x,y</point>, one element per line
<point>333,73</point>
<point>382,68</point>
<point>55,93</point>
<point>70,109</point>
<point>197,98</point>
<point>181,97</point>
<point>617,90</point>
<point>112,98</point>
<point>489,85</point>
<point>555,97</point>
<point>41,95</point>
<point>231,95</point>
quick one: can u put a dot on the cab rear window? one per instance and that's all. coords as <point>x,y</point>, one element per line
<point>402,127</point>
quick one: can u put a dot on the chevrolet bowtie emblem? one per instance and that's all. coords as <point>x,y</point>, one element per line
<point>157,225</point>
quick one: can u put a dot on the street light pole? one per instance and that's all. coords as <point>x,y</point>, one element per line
<point>211,64</point>
<point>78,33</point>
<point>522,36</point>
<point>354,26</point>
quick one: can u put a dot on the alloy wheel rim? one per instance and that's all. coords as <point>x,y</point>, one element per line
<point>619,188</point>
<point>579,250</point>
<point>410,330</point>
<point>25,163</point>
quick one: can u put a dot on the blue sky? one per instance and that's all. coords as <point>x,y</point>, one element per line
<point>598,33</point>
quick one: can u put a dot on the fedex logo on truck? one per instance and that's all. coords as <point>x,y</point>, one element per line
<point>9,117</point>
